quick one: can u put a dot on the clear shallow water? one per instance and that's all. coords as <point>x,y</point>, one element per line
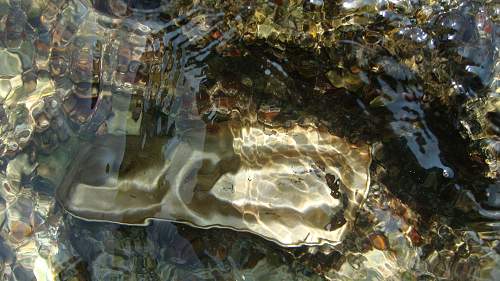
<point>250,140</point>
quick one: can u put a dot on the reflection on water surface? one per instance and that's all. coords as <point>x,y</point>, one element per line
<point>249,140</point>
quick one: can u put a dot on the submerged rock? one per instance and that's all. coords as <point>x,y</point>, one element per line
<point>236,174</point>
